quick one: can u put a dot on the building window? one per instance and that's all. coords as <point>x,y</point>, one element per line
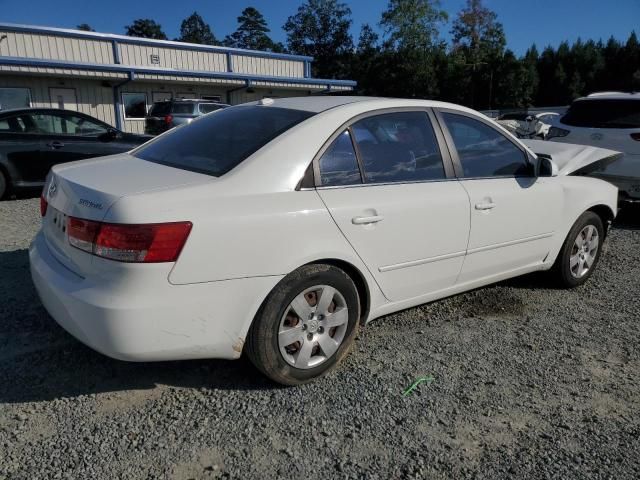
<point>213,98</point>
<point>135,105</point>
<point>14,98</point>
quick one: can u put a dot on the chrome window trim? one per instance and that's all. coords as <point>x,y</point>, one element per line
<point>442,146</point>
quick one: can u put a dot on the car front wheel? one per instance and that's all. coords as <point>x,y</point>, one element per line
<point>305,326</point>
<point>580,252</point>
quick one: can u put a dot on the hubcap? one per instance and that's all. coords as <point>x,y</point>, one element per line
<point>584,251</point>
<point>313,327</point>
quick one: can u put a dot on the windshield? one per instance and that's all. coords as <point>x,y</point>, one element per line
<point>604,114</point>
<point>214,144</point>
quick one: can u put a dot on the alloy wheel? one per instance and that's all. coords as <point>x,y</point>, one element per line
<point>313,327</point>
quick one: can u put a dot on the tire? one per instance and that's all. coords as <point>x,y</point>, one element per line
<point>292,350</point>
<point>582,247</point>
<point>3,185</point>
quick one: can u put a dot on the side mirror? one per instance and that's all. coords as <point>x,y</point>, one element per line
<point>547,167</point>
<point>109,135</point>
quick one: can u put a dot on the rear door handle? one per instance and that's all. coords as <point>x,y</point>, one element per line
<point>55,144</point>
<point>367,220</point>
<point>485,206</point>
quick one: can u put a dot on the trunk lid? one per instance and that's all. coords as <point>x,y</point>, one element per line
<point>88,188</point>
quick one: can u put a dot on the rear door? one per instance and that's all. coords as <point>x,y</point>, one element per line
<point>514,214</point>
<point>391,190</point>
<point>67,137</point>
<point>20,149</point>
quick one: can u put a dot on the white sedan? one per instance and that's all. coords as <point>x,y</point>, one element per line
<point>277,228</point>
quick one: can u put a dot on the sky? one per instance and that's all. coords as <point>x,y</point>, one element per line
<point>545,22</point>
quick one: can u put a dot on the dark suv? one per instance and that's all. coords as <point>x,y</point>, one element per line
<point>170,113</point>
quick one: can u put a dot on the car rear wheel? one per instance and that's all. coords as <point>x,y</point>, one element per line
<point>305,326</point>
<point>580,252</point>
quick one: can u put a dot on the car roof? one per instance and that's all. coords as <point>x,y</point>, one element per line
<point>317,104</point>
<point>41,109</point>
<point>611,96</point>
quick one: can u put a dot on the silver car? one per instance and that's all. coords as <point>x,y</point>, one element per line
<point>170,113</point>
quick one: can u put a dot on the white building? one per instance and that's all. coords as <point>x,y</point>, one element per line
<point>116,78</point>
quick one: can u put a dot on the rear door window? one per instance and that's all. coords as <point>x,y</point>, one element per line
<point>398,147</point>
<point>604,114</point>
<point>214,144</point>
<point>484,151</point>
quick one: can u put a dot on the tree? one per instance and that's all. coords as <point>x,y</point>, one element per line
<point>252,33</point>
<point>194,30</point>
<point>479,38</point>
<point>412,24</point>
<point>366,61</point>
<point>320,29</point>
<point>85,27</point>
<point>413,55</point>
<point>145,28</point>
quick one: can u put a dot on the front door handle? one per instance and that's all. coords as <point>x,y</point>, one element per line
<point>485,206</point>
<point>367,220</point>
<point>55,144</point>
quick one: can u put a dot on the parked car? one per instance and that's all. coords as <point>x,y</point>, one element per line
<point>528,125</point>
<point>311,216</point>
<point>608,120</point>
<point>165,115</point>
<point>32,140</point>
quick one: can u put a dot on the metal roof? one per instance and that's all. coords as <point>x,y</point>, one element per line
<point>14,27</point>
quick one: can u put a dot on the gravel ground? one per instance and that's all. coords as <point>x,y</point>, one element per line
<point>529,382</point>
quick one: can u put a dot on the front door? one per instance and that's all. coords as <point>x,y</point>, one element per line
<point>63,98</point>
<point>66,137</point>
<point>404,215</point>
<point>513,213</point>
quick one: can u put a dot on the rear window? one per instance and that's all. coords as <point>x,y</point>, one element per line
<point>604,114</point>
<point>214,144</point>
<point>160,109</point>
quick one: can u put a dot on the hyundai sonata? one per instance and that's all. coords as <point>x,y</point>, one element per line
<point>277,228</point>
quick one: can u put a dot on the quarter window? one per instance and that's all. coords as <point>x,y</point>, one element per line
<point>483,151</point>
<point>208,107</point>
<point>135,105</point>
<point>338,164</point>
<point>398,147</point>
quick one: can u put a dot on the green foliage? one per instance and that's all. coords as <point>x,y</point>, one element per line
<point>412,24</point>
<point>252,33</point>
<point>85,27</point>
<point>320,29</point>
<point>476,70</point>
<point>195,30</point>
<point>145,28</point>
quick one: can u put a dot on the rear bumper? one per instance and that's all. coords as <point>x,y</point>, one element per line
<point>150,321</point>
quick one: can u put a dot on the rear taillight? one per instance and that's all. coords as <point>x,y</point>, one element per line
<point>636,136</point>
<point>168,119</point>
<point>43,205</point>
<point>146,243</point>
